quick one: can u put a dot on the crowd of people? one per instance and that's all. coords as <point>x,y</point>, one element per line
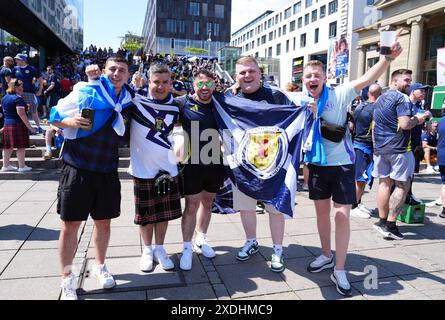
<point>153,107</point>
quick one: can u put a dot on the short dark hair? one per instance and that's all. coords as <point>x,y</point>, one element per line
<point>118,59</point>
<point>206,73</point>
<point>400,72</point>
<point>159,68</point>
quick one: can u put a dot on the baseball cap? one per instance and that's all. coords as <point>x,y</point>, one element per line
<point>21,57</point>
<point>270,78</point>
<point>417,86</point>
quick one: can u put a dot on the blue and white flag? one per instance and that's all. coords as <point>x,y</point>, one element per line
<point>98,95</point>
<point>262,147</point>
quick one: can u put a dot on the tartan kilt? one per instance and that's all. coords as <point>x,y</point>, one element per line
<point>15,136</point>
<point>152,208</point>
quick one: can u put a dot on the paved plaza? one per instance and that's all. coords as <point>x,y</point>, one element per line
<point>29,266</point>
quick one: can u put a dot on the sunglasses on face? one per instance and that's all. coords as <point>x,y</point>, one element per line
<point>201,84</point>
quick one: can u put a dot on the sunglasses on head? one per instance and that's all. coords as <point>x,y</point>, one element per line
<point>201,84</point>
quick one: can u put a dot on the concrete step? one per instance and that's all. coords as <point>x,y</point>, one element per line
<point>40,163</point>
<point>49,175</point>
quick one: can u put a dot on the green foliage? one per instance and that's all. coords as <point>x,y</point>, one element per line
<point>14,39</point>
<point>196,50</point>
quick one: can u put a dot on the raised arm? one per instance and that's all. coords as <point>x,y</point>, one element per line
<point>379,68</point>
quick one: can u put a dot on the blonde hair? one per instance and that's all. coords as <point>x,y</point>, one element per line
<point>12,84</point>
<point>247,60</point>
<point>314,63</point>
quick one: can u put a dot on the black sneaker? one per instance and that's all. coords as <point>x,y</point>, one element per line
<point>392,233</point>
<point>379,225</point>
<point>248,250</point>
<point>442,214</point>
<point>411,201</point>
<point>320,264</point>
<point>342,284</point>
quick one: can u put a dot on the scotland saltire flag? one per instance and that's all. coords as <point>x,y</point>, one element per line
<point>98,95</point>
<point>262,147</point>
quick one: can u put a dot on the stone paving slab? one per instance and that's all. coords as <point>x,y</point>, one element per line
<point>5,205</point>
<point>118,252</point>
<point>45,263</point>
<point>392,288</point>
<point>5,258</point>
<point>11,195</point>
<point>128,277</point>
<point>30,289</point>
<point>43,238</point>
<point>191,292</point>
<point>270,297</point>
<point>39,196</point>
<point>19,186</point>
<point>252,279</point>
<point>434,253</point>
<point>326,293</point>
<point>25,208</point>
<point>116,296</point>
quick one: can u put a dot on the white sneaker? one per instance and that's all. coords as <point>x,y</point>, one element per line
<point>359,213</point>
<point>146,262</point>
<point>437,202</point>
<point>322,262</point>
<point>68,287</point>
<point>362,207</point>
<point>161,257</point>
<point>105,278</point>
<point>429,170</point>
<point>25,169</point>
<point>9,168</point>
<point>341,282</point>
<point>186,260</point>
<point>202,247</point>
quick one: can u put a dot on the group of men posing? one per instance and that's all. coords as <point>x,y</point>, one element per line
<point>89,184</point>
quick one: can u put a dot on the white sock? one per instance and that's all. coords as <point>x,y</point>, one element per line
<point>148,249</point>
<point>200,237</point>
<point>48,148</point>
<point>278,250</point>
<point>159,247</point>
<point>187,246</point>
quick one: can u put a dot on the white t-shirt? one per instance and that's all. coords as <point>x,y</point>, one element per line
<point>149,150</point>
<point>335,112</point>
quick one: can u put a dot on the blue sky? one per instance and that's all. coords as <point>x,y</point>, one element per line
<point>105,21</point>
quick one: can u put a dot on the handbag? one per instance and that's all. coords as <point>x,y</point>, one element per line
<point>331,131</point>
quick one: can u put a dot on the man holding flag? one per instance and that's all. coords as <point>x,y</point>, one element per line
<point>330,154</point>
<point>262,147</point>
<point>89,183</point>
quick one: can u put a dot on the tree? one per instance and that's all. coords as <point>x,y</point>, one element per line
<point>196,50</point>
<point>132,42</point>
<point>14,40</point>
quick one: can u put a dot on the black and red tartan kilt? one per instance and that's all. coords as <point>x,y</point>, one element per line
<point>15,136</point>
<point>152,208</point>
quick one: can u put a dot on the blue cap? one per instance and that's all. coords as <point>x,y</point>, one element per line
<point>417,86</point>
<point>21,57</point>
<point>270,78</point>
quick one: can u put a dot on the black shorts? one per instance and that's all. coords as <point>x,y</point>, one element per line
<point>337,182</point>
<point>198,178</point>
<point>82,193</point>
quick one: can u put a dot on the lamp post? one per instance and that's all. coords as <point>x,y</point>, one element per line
<point>209,40</point>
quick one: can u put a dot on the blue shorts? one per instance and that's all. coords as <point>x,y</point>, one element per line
<point>362,162</point>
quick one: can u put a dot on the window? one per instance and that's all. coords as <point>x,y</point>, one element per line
<point>297,7</point>
<point>372,62</point>
<point>295,44</point>
<point>208,28</point>
<point>306,19</point>
<point>181,26</point>
<point>314,15</point>
<point>279,49</point>
<point>276,19</point>
<point>303,40</point>
<point>263,39</point>
<point>270,52</point>
<point>322,12</point>
<point>205,9</point>
<point>219,11</point>
<point>279,32</point>
<point>316,35</point>
<point>333,7</point>
<point>258,42</point>
<point>287,13</point>
<point>287,46</point>
<point>333,29</point>
<point>269,23</point>
<point>172,43</point>
<point>196,28</point>
<point>270,36</point>
<point>300,22</point>
<point>292,26</point>
<point>194,9</point>
<point>284,30</point>
<point>171,25</point>
<point>257,55</point>
<point>308,3</point>
<point>216,29</point>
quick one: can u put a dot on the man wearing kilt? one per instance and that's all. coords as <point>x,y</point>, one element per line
<point>16,126</point>
<point>153,166</point>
